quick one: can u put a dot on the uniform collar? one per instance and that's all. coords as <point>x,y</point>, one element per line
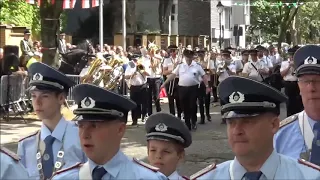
<point>269,168</point>
<point>311,121</point>
<point>58,131</point>
<point>113,166</point>
<point>174,176</point>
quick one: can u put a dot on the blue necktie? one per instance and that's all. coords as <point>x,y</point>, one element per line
<point>47,159</point>
<point>315,152</point>
<point>98,173</point>
<point>252,175</point>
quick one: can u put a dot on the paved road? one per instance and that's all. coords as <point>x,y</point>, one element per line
<point>209,141</point>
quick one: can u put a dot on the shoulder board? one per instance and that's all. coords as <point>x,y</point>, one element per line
<point>13,155</point>
<point>69,168</point>
<point>184,177</point>
<point>148,166</point>
<point>203,171</point>
<point>288,120</point>
<point>309,164</point>
<point>30,135</point>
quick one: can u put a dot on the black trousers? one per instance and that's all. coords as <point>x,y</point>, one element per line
<point>136,94</point>
<point>214,84</point>
<point>294,103</point>
<point>203,99</point>
<point>188,101</point>
<point>153,94</point>
<point>172,89</point>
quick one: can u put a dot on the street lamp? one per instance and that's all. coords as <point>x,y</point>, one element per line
<point>220,8</point>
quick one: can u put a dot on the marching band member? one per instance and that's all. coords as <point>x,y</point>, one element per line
<point>26,47</point>
<point>244,59</point>
<point>251,110</point>
<point>153,67</point>
<point>291,89</point>
<point>225,67</point>
<point>167,138</point>
<point>203,97</point>
<point>168,66</point>
<point>214,77</point>
<point>255,69</point>
<point>299,135</point>
<point>56,145</point>
<point>137,82</point>
<point>11,168</point>
<point>189,73</point>
<point>101,121</point>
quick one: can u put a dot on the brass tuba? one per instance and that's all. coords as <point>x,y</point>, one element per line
<point>93,70</point>
<point>111,78</point>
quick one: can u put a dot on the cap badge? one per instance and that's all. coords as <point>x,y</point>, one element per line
<point>37,77</point>
<point>161,127</point>
<point>236,97</point>
<point>310,60</point>
<point>88,102</point>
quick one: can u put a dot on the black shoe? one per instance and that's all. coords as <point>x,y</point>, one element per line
<point>194,126</point>
<point>209,118</point>
<point>134,123</point>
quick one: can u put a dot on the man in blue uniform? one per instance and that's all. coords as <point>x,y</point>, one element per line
<point>56,145</point>
<point>101,120</point>
<point>11,168</point>
<point>251,110</point>
<point>299,134</point>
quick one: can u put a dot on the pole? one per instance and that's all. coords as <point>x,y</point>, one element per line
<point>124,25</point>
<point>220,31</point>
<point>101,25</point>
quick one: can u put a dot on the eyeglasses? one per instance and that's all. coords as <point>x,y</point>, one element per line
<point>309,81</point>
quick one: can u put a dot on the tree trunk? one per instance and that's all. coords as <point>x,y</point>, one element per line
<point>285,23</point>
<point>50,27</point>
<point>293,31</point>
<point>117,15</point>
<point>131,16</point>
<point>164,11</point>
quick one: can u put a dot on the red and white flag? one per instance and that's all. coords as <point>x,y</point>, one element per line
<point>30,1</point>
<point>95,3</point>
<point>69,4</point>
<point>85,4</point>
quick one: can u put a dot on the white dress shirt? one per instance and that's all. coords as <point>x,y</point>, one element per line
<point>136,80</point>
<point>289,76</point>
<point>252,72</point>
<point>189,75</point>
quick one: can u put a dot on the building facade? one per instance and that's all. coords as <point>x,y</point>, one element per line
<point>235,17</point>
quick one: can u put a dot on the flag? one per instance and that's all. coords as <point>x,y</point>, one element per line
<point>68,4</point>
<point>95,3</point>
<point>85,4</point>
<point>30,1</point>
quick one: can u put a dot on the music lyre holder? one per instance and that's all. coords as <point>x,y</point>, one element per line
<point>9,101</point>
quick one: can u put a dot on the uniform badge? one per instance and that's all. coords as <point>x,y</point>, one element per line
<point>161,127</point>
<point>236,97</point>
<point>37,77</point>
<point>310,60</point>
<point>88,102</point>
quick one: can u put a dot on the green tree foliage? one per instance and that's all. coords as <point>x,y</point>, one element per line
<point>20,13</point>
<point>308,23</point>
<point>275,19</point>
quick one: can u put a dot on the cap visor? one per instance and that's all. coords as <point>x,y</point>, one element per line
<point>233,114</point>
<point>43,87</point>
<point>308,69</point>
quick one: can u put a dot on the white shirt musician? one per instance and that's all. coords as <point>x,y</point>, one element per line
<point>288,66</point>
<point>255,69</point>
<point>136,77</point>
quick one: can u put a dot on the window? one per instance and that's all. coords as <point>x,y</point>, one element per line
<point>173,9</point>
<point>172,17</point>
